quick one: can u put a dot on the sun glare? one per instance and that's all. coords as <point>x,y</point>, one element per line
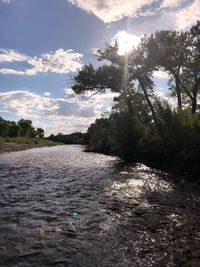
<point>126,41</point>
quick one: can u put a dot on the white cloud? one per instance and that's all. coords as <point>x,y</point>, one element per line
<point>112,10</point>
<point>188,15</point>
<point>170,3</point>
<point>160,74</point>
<point>11,71</point>
<point>47,93</point>
<point>61,61</point>
<point>9,55</point>
<point>25,103</point>
<point>170,100</point>
<point>69,91</point>
<point>160,14</point>
<point>63,114</point>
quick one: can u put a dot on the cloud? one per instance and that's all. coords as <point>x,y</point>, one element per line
<point>188,15</point>
<point>170,100</point>
<point>160,74</point>
<point>170,3</point>
<point>9,55</point>
<point>47,93</point>
<point>61,61</point>
<point>11,71</point>
<point>5,1</point>
<point>111,10</point>
<point>160,14</point>
<point>28,104</point>
<point>67,113</point>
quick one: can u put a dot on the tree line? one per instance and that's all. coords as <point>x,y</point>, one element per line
<point>74,138</point>
<point>21,128</point>
<point>24,128</point>
<point>142,126</point>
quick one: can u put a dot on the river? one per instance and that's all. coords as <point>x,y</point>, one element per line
<point>60,206</point>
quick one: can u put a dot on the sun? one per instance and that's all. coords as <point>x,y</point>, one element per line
<point>126,41</point>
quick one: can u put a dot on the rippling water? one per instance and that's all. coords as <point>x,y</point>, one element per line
<point>60,206</point>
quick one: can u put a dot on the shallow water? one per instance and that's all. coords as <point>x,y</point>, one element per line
<point>60,206</point>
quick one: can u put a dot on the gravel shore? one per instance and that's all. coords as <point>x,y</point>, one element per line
<point>13,147</point>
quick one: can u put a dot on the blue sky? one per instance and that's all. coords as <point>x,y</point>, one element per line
<point>44,43</point>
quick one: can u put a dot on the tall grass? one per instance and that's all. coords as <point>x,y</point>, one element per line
<point>27,140</point>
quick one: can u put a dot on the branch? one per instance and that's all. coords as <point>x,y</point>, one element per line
<point>184,88</point>
<point>95,93</point>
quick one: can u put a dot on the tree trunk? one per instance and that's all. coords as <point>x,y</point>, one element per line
<point>129,106</point>
<point>194,105</point>
<point>149,104</point>
<point>194,98</point>
<point>178,93</point>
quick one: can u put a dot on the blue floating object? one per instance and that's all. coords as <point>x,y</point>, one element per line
<point>75,213</point>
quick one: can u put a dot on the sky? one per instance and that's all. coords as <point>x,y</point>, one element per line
<point>44,43</point>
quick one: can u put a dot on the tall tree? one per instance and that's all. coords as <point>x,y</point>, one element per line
<point>191,71</point>
<point>178,53</point>
<point>40,133</point>
<point>4,127</point>
<point>120,75</point>
<point>168,51</point>
<point>25,127</point>
<point>13,129</point>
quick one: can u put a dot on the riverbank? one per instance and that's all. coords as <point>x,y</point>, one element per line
<point>185,164</point>
<point>23,143</point>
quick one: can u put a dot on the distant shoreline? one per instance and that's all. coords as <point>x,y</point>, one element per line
<point>14,147</point>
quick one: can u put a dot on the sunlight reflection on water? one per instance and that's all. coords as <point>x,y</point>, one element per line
<point>61,206</point>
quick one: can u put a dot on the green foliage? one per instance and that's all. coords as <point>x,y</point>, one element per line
<point>23,128</point>
<point>74,138</point>
<point>99,135</point>
<point>4,127</point>
<point>14,129</point>
<point>39,133</point>
<point>143,127</point>
<point>132,139</point>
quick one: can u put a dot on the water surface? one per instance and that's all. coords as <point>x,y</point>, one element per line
<point>60,206</point>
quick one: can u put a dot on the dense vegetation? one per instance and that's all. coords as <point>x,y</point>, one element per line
<point>143,127</point>
<point>23,132</point>
<point>74,138</point>
<point>21,135</point>
<point>23,128</point>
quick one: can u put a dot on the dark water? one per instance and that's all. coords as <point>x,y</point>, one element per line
<point>60,206</point>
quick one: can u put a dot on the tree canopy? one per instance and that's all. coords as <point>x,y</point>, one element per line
<point>143,126</point>
<point>21,128</point>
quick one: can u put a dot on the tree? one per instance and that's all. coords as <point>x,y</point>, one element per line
<point>168,51</point>
<point>40,132</point>
<point>4,127</point>
<point>13,129</point>
<point>191,71</point>
<point>25,127</point>
<point>98,136</point>
<point>178,53</point>
<point>120,76</point>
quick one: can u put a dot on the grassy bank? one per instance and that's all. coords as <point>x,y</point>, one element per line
<point>22,143</point>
